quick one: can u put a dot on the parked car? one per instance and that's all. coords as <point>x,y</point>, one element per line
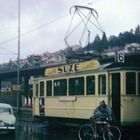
<point>7,119</point>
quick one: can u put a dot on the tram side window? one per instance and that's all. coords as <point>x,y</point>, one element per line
<point>130,83</point>
<point>60,87</point>
<point>139,83</point>
<point>102,84</point>
<point>76,86</point>
<point>90,84</point>
<point>41,88</point>
<point>49,88</point>
<point>36,86</point>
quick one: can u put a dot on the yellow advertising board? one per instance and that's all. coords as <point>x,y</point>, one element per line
<point>76,67</point>
<point>16,87</point>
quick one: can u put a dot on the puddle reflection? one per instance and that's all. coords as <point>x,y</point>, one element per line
<point>32,131</point>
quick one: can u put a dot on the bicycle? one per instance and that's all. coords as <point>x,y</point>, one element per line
<point>100,130</point>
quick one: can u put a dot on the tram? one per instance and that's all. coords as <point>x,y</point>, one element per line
<point>71,92</point>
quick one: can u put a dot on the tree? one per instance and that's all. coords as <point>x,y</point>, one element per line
<point>126,38</point>
<point>137,34</point>
<point>104,42</point>
<point>114,41</point>
<point>97,44</point>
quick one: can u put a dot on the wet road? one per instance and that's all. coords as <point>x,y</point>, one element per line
<point>36,131</point>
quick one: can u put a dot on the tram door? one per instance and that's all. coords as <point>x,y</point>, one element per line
<point>41,106</point>
<point>116,96</point>
<point>41,100</point>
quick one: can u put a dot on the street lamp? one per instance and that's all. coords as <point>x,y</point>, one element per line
<point>18,59</point>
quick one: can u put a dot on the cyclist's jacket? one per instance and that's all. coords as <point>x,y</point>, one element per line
<point>102,112</point>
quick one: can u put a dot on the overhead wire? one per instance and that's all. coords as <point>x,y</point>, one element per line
<point>51,22</point>
<point>89,15</point>
<point>70,25</point>
<point>85,19</point>
<point>93,23</point>
<point>72,30</point>
<point>30,31</point>
<point>97,22</point>
<point>6,54</point>
<point>7,50</point>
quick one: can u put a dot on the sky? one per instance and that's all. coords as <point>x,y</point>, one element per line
<point>44,24</point>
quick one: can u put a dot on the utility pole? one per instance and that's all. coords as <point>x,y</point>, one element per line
<point>18,59</point>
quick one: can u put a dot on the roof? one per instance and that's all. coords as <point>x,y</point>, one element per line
<point>130,66</point>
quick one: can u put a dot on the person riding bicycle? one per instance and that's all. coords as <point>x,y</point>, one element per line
<point>102,112</point>
<point>100,126</point>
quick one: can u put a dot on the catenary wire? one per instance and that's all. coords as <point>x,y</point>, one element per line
<point>30,31</point>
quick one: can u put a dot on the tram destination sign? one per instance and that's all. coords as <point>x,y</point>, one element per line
<point>76,67</point>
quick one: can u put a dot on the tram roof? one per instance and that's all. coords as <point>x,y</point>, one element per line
<point>98,65</point>
<point>102,68</point>
<point>123,66</point>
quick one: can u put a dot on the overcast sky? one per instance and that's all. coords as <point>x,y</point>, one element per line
<point>44,23</point>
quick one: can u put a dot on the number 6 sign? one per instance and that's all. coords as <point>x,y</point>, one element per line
<point>120,57</point>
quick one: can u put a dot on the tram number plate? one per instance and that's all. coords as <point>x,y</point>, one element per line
<point>120,57</point>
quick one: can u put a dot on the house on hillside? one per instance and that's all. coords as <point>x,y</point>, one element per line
<point>131,48</point>
<point>56,58</point>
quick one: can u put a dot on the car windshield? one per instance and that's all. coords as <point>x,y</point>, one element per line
<point>5,110</point>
